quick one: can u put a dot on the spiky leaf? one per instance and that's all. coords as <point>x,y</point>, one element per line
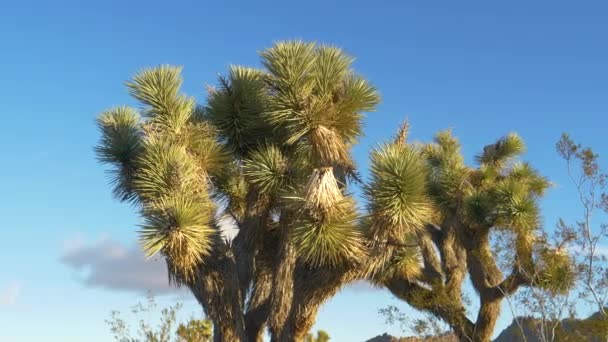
<point>558,273</point>
<point>166,169</point>
<point>236,108</point>
<point>502,151</point>
<point>158,89</point>
<point>120,145</point>
<point>329,240</point>
<point>266,169</point>
<point>396,194</point>
<point>180,229</point>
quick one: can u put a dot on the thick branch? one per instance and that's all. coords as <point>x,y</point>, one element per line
<point>436,302</point>
<point>258,307</point>
<point>432,265</point>
<point>481,263</point>
<point>521,275</point>
<point>509,285</point>
<point>217,290</point>
<point>435,233</point>
<point>283,281</point>
<point>247,241</point>
<point>313,286</point>
<point>453,258</point>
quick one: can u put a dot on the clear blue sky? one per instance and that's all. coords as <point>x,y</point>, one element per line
<point>483,68</point>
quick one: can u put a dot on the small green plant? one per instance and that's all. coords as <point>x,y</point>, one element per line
<point>195,330</point>
<point>322,336</point>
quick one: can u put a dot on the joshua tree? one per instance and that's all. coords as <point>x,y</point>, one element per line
<point>469,203</point>
<point>270,155</point>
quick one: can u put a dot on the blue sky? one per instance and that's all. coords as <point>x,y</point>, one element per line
<point>483,68</point>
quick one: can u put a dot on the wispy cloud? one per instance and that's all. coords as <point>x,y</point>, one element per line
<point>10,294</point>
<point>108,264</point>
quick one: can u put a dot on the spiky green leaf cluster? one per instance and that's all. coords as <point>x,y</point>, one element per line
<point>236,107</point>
<point>201,141</point>
<point>329,240</point>
<point>158,90</point>
<point>316,99</point>
<point>231,192</point>
<point>506,196</point>
<point>516,207</point>
<point>502,151</point>
<point>397,192</point>
<point>532,180</point>
<point>448,174</point>
<point>266,169</point>
<point>180,228</point>
<point>326,231</point>
<point>166,170</point>
<point>120,146</point>
<point>500,192</point>
<point>405,262</point>
<point>165,163</point>
<point>557,271</point>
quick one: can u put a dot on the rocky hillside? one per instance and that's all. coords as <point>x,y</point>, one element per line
<point>389,338</point>
<point>590,329</point>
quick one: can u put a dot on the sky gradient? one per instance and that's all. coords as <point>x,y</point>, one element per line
<point>482,68</point>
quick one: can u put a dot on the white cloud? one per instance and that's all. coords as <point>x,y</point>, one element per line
<point>110,265</point>
<point>10,294</point>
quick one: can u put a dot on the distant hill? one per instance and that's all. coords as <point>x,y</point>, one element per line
<point>591,329</point>
<point>389,338</point>
<point>512,333</point>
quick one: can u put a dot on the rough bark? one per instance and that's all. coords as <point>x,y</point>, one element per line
<point>453,257</point>
<point>217,290</point>
<point>435,302</point>
<point>283,282</point>
<point>485,276</point>
<point>313,287</point>
<point>486,320</point>
<point>249,238</point>
<point>258,307</point>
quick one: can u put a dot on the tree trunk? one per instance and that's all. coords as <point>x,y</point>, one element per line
<point>250,237</point>
<point>312,288</point>
<point>485,276</point>
<point>486,320</point>
<point>258,307</point>
<point>283,282</point>
<point>217,290</point>
<point>433,301</point>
